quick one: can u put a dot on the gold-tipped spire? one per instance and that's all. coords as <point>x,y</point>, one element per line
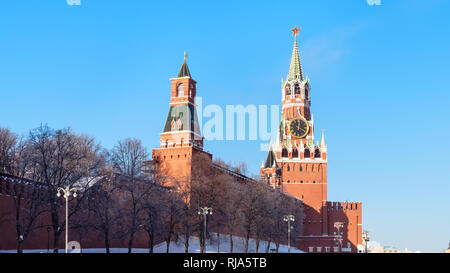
<point>184,70</point>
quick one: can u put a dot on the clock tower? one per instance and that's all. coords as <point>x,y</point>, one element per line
<point>296,164</point>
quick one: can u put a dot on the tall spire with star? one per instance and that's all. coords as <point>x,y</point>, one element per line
<point>295,70</point>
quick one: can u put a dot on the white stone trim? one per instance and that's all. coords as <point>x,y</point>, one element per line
<point>182,102</point>
<point>305,160</point>
<point>289,105</point>
<point>181,132</point>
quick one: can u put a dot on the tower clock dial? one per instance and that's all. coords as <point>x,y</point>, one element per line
<point>298,128</point>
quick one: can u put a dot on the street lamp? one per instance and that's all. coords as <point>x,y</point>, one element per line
<point>66,194</point>
<point>288,219</point>
<point>339,225</point>
<point>366,238</point>
<point>204,211</point>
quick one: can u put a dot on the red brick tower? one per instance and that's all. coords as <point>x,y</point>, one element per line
<point>181,136</point>
<point>295,163</point>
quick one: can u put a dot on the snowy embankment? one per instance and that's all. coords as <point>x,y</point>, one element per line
<point>212,246</point>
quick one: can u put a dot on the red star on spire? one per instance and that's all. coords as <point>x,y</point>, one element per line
<point>295,31</point>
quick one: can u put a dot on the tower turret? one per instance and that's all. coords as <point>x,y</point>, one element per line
<point>181,127</point>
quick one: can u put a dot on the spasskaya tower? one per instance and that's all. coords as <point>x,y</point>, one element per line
<point>297,165</point>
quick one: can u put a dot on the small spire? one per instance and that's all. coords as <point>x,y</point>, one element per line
<point>322,143</point>
<point>270,160</point>
<point>184,70</point>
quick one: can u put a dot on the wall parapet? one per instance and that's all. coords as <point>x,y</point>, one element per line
<point>332,205</point>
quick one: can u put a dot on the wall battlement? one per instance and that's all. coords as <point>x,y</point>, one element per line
<point>356,206</point>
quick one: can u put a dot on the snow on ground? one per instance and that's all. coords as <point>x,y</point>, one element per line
<point>212,246</point>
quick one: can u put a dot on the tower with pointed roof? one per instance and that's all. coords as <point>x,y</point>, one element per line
<point>181,128</point>
<point>297,165</point>
<point>181,137</point>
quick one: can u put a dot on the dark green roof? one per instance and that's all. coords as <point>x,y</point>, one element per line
<point>270,160</point>
<point>184,70</point>
<point>187,114</point>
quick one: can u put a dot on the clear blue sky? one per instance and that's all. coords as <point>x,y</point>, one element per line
<point>379,77</point>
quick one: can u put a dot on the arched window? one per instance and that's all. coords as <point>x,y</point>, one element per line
<point>294,153</point>
<point>288,90</point>
<point>317,153</point>
<point>180,90</point>
<point>307,153</point>
<point>297,89</point>
<point>284,153</point>
<point>301,168</point>
<point>288,168</point>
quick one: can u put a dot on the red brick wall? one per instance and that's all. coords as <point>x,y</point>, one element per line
<point>350,213</point>
<point>313,191</point>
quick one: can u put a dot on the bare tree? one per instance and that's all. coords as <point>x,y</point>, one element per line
<point>63,159</point>
<point>8,142</point>
<point>249,211</point>
<point>29,205</point>
<point>263,221</point>
<point>275,215</point>
<point>232,210</point>
<point>153,209</point>
<point>182,187</point>
<point>240,167</point>
<point>26,195</point>
<point>285,205</point>
<point>102,203</point>
<point>127,158</point>
<point>171,218</point>
<point>203,192</point>
<point>219,190</point>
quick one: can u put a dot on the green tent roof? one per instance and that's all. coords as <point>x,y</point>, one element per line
<point>270,160</point>
<point>184,70</point>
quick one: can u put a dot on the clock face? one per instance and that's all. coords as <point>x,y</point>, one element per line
<point>298,128</point>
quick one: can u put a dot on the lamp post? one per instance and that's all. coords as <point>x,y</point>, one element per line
<point>288,219</point>
<point>339,225</point>
<point>366,238</point>
<point>204,211</point>
<point>66,194</point>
